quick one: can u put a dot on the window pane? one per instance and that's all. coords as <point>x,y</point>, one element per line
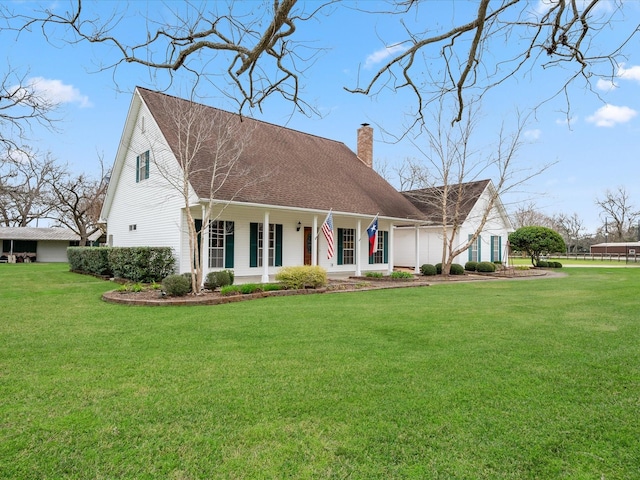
<point>216,244</point>
<point>348,246</point>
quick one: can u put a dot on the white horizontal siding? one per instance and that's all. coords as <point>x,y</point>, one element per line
<point>52,251</point>
<point>151,205</point>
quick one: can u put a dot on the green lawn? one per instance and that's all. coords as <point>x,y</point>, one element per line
<point>583,261</point>
<point>493,380</point>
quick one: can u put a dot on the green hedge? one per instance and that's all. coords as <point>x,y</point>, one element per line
<point>93,260</point>
<point>486,267</point>
<point>428,269</point>
<point>471,266</point>
<point>138,264</point>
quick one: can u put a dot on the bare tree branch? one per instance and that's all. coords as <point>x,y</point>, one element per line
<point>22,106</point>
<point>563,32</point>
<point>77,201</point>
<point>25,194</point>
<point>618,214</point>
<point>455,166</point>
<point>258,49</point>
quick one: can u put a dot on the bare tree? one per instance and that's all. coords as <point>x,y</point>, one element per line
<point>25,189</point>
<point>412,174</point>
<point>77,201</point>
<point>528,215</point>
<point>571,227</point>
<point>618,214</point>
<point>255,45</point>
<point>455,164</point>
<point>264,54</point>
<point>208,144</point>
<point>22,106</point>
<point>561,33</point>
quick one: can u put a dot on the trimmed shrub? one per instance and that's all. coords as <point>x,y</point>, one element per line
<point>456,269</point>
<point>176,285</point>
<point>219,279</point>
<point>555,264</point>
<point>401,275</point>
<point>373,275</point>
<point>428,269</point>
<point>543,264</point>
<point>486,267</point>
<point>93,260</point>
<point>306,276</point>
<point>439,268</point>
<point>141,264</point>
<point>187,275</point>
<point>471,266</point>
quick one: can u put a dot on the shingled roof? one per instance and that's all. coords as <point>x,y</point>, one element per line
<point>38,233</point>
<point>429,200</point>
<point>302,170</point>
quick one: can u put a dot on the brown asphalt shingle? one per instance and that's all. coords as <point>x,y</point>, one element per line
<point>300,170</point>
<point>429,200</point>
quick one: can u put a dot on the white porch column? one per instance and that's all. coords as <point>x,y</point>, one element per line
<point>314,244</point>
<point>390,254</point>
<point>204,242</point>
<point>417,243</point>
<point>265,248</point>
<point>359,249</point>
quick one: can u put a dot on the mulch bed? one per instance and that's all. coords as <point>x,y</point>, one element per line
<point>150,297</point>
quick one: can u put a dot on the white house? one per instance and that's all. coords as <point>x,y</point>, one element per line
<point>30,244</point>
<point>417,245</point>
<point>276,220</point>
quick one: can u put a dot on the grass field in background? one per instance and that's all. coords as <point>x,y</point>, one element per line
<point>488,380</point>
<point>582,262</point>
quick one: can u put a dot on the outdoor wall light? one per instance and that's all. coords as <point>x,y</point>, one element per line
<point>298,227</point>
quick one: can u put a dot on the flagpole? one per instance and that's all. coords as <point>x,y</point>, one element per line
<point>325,219</point>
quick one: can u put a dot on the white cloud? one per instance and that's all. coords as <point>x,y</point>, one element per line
<point>383,54</point>
<point>534,134</point>
<point>632,73</point>
<point>605,85</point>
<point>610,115</point>
<point>567,121</point>
<point>57,92</point>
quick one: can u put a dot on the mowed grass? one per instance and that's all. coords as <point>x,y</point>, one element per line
<point>582,261</point>
<point>497,380</point>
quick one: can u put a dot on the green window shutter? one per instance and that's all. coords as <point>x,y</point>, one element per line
<point>198,225</point>
<point>479,240</point>
<point>146,164</point>
<point>253,245</point>
<point>499,249</point>
<point>385,247</point>
<point>340,248</point>
<point>229,237</point>
<point>137,168</point>
<point>470,249</point>
<point>278,243</point>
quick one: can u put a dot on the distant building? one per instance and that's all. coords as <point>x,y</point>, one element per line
<point>629,249</point>
<point>30,244</point>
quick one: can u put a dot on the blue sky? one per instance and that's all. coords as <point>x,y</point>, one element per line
<point>595,151</point>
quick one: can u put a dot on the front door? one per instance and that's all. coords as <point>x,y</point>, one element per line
<point>308,239</point>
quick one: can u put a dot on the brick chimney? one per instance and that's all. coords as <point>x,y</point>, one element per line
<point>365,145</point>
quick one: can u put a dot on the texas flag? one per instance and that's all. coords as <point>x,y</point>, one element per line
<point>372,231</point>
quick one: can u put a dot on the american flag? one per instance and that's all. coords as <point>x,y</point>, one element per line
<point>327,229</point>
